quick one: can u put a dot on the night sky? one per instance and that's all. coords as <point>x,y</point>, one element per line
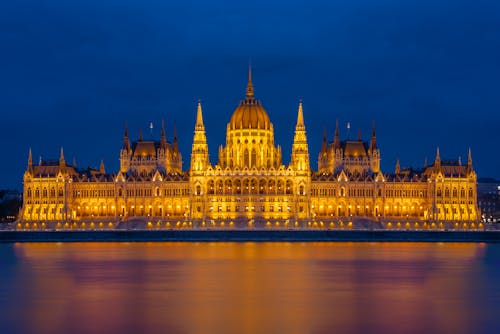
<point>72,73</point>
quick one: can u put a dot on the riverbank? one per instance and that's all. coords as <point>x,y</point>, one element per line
<point>249,235</point>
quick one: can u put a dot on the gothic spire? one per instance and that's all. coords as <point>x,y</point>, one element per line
<point>126,140</point>
<point>250,84</point>
<point>30,159</point>
<point>199,118</point>
<point>300,117</point>
<point>323,144</point>
<point>437,161</point>
<point>62,163</point>
<point>102,170</point>
<point>397,169</point>
<point>176,141</point>
<point>373,141</point>
<point>469,159</point>
<point>336,138</point>
<point>163,139</point>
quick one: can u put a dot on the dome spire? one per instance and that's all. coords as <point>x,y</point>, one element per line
<point>250,85</point>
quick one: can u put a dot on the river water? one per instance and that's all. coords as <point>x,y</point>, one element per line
<point>249,288</point>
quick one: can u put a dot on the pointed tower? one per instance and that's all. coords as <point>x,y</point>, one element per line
<point>336,138</point>
<point>199,151</point>
<point>470,168</point>
<point>374,152</point>
<point>250,92</point>
<point>323,155</point>
<point>102,170</point>
<point>397,169</point>
<point>30,159</point>
<point>62,162</point>
<point>176,141</point>
<point>163,137</point>
<point>437,161</point>
<point>323,143</point>
<point>300,150</point>
<point>125,152</point>
<point>30,163</point>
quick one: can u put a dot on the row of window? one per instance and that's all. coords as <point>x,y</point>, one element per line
<point>45,192</point>
<point>357,192</point>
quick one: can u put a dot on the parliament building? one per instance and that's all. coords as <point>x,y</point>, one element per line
<point>249,185</point>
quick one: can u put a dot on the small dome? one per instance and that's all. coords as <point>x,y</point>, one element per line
<point>249,114</point>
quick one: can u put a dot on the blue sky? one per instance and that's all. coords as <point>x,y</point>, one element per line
<point>73,72</point>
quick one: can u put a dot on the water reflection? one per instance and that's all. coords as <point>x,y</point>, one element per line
<point>249,288</point>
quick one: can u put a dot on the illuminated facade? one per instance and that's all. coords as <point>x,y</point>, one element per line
<point>249,182</point>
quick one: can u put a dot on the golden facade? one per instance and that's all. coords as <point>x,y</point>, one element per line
<point>249,181</point>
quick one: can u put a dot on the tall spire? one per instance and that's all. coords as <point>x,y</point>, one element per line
<point>30,159</point>
<point>62,163</point>
<point>300,116</point>
<point>437,161</point>
<point>300,149</point>
<point>397,169</point>
<point>250,84</point>
<point>373,141</point>
<point>323,144</point>
<point>102,170</point>
<point>163,137</point>
<point>336,138</point>
<point>469,159</point>
<point>126,140</point>
<point>176,141</point>
<point>199,118</point>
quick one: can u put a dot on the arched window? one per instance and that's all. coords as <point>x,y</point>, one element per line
<point>198,190</point>
<point>447,192</point>
<point>439,193</point>
<point>471,193</point>
<point>52,192</point>
<point>455,192</point>
<point>60,192</point>
<point>120,192</point>
<point>246,158</point>
<point>254,157</point>
<point>37,192</point>
<point>462,192</point>
<point>44,192</point>
<point>28,192</point>
<point>301,190</point>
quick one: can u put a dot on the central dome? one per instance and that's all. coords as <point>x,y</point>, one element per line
<point>249,114</point>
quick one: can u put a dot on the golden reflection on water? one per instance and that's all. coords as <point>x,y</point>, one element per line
<point>245,287</point>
